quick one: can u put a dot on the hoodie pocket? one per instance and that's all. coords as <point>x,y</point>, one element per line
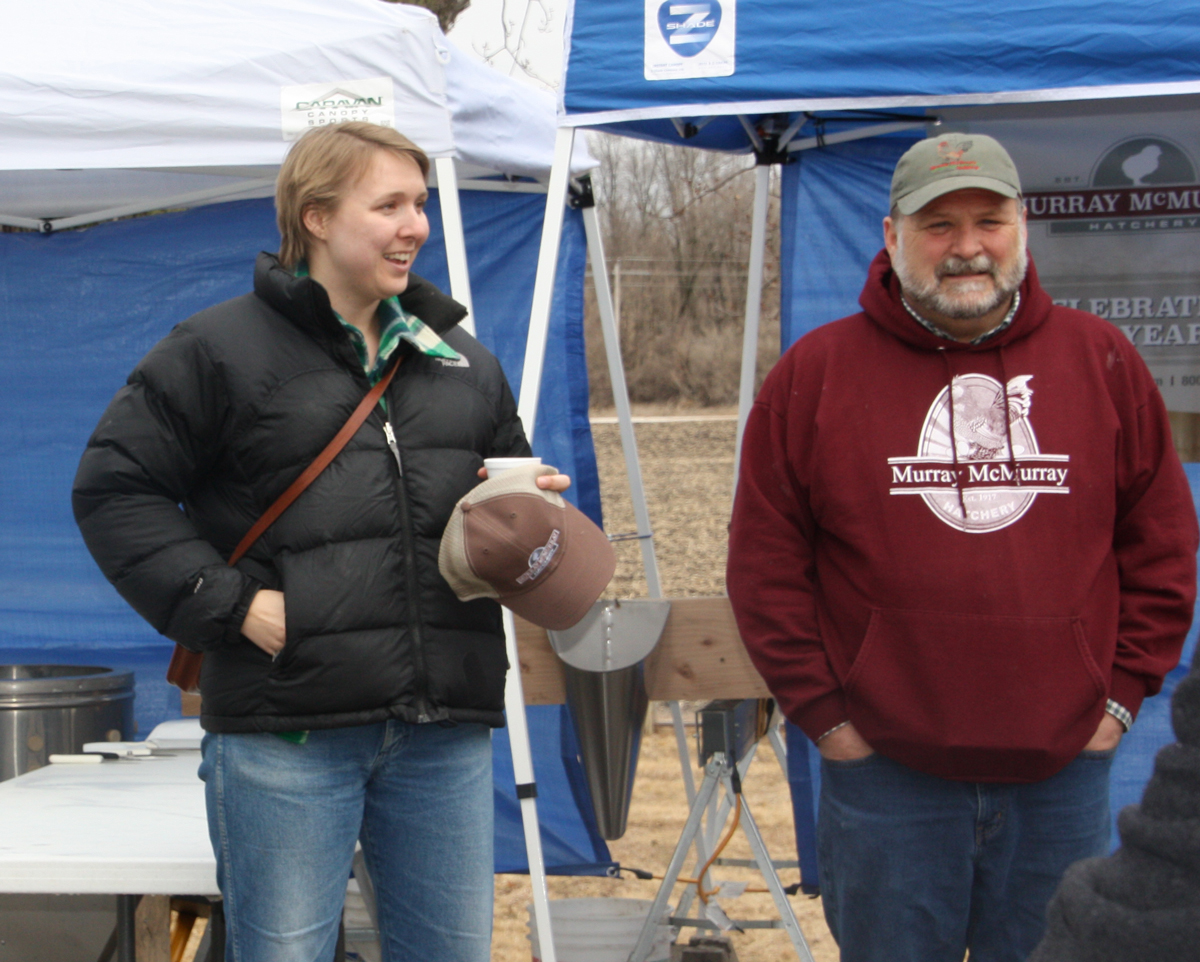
<point>972,683</point>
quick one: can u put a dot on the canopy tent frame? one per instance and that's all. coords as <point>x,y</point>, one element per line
<point>679,112</point>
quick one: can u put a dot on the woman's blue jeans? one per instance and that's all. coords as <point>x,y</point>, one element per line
<point>916,868</point>
<point>284,819</point>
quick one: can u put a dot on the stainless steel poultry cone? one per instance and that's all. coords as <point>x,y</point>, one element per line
<point>606,694</point>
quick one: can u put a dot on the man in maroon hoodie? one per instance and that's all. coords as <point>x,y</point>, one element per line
<point>962,553</point>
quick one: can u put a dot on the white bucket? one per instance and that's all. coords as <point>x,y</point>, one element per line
<point>600,930</point>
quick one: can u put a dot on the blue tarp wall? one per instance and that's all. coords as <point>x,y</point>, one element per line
<point>80,308</point>
<point>833,202</point>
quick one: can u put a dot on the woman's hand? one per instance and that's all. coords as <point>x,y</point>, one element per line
<point>265,624</point>
<point>547,482</point>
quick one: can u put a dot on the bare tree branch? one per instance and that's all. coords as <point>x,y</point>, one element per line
<point>676,225</point>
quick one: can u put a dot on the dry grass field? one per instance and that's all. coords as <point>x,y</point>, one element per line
<point>687,467</point>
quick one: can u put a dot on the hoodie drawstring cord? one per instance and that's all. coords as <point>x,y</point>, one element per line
<point>962,504</point>
<point>1012,457</point>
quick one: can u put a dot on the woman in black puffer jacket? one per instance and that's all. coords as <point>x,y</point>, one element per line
<point>347,693</point>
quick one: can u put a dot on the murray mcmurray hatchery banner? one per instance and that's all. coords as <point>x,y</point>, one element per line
<point>1114,222</point>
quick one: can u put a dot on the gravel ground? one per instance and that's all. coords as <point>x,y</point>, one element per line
<point>687,467</point>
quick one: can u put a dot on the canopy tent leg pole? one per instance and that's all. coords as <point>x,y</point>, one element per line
<point>531,383</point>
<point>758,246</point>
<point>522,759</point>
<point>543,285</point>
<point>455,239</point>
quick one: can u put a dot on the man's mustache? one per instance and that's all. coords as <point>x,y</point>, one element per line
<point>956,266</point>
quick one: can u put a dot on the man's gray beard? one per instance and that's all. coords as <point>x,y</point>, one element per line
<point>964,305</point>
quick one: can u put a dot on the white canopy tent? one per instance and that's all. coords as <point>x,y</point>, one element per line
<point>142,107</point>
<point>114,109</point>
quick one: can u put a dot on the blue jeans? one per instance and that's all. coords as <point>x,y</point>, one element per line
<point>916,868</point>
<point>284,819</point>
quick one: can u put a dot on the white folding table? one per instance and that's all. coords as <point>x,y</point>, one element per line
<point>130,828</point>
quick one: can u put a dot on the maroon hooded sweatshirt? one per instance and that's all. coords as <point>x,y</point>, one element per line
<point>968,582</point>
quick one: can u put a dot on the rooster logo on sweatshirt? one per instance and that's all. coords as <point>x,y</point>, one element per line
<point>978,466</point>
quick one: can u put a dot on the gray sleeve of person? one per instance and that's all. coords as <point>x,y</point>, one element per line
<point>1142,902</point>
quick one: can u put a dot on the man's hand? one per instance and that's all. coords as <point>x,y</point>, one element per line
<point>547,482</point>
<point>265,624</point>
<point>1107,736</point>
<point>844,745</point>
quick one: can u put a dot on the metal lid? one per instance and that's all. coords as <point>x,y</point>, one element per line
<point>19,683</point>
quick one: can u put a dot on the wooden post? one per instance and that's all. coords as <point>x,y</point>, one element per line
<point>152,929</point>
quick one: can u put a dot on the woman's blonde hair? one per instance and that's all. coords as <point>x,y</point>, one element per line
<point>321,166</point>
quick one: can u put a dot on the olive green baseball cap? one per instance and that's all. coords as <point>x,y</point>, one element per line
<point>939,165</point>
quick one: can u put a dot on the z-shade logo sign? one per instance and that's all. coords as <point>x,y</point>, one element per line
<point>690,38</point>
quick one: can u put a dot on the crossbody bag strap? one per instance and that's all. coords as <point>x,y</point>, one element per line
<point>320,463</point>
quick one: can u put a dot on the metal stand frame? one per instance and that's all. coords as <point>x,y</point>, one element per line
<point>720,773</point>
<point>616,374</point>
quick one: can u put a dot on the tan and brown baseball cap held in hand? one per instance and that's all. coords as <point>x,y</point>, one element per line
<point>531,550</point>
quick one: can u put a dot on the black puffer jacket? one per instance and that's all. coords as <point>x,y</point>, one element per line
<point>220,417</point>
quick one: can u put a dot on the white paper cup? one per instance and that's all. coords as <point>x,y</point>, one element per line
<point>497,466</point>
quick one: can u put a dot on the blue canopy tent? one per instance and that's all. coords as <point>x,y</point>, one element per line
<point>847,88</point>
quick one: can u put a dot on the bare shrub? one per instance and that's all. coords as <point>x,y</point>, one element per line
<point>676,223</point>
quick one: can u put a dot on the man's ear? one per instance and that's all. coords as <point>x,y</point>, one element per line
<point>890,236</point>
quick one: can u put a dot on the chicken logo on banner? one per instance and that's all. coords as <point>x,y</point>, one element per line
<point>1144,162</point>
<point>978,466</point>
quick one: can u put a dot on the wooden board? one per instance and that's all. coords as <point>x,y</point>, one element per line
<point>152,929</point>
<point>699,656</point>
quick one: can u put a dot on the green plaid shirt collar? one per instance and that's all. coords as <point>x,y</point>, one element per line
<point>395,325</point>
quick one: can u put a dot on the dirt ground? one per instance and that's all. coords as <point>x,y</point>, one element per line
<point>687,468</point>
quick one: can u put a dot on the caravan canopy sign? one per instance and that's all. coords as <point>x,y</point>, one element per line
<point>304,106</point>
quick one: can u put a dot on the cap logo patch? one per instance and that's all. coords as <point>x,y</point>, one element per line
<point>540,558</point>
<point>952,156</point>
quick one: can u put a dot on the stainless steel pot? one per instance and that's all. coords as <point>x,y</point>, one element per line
<point>49,709</point>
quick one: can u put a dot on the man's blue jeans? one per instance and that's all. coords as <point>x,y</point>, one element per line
<point>284,819</point>
<point>916,868</point>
